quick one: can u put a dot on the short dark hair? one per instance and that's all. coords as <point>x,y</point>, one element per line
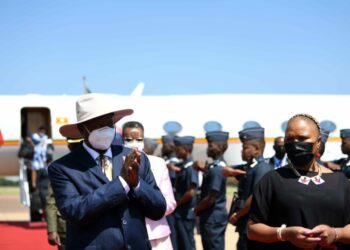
<point>132,124</point>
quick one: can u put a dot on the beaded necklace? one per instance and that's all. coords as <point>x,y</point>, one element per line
<point>303,179</point>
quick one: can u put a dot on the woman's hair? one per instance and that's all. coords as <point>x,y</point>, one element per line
<point>310,117</point>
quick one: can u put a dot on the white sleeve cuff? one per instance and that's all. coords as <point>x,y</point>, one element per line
<point>137,187</point>
<point>125,185</point>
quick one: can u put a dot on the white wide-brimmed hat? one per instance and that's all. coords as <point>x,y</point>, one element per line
<point>90,106</point>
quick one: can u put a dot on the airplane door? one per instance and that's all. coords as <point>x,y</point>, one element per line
<point>33,183</point>
<point>33,118</point>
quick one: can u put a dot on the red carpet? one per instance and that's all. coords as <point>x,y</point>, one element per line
<point>24,235</point>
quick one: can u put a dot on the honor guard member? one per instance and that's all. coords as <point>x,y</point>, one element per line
<point>324,138</point>
<point>186,189</point>
<point>342,164</point>
<point>56,225</point>
<point>280,157</point>
<point>150,146</point>
<point>168,154</point>
<point>253,148</point>
<point>212,206</point>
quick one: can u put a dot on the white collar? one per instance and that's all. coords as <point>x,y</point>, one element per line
<point>254,163</point>
<point>190,163</point>
<point>219,163</point>
<point>347,162</point>
<point>94,154</point>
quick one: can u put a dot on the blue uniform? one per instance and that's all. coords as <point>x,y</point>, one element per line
<point>172,174</point>
<point>171,217</point>
<point>344,162</point>
<point>185,217</point>
<point>246,184</point>
<point>276,162</point>
<point>344,166</point>
<point>213,220</point>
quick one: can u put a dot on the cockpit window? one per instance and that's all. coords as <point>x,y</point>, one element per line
<point>172,127</point>
<point>251,124</point>
<point>212,126</point>
<point>284,126</point>
<point>328,125</point>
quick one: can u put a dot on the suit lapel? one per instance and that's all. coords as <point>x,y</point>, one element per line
<point>90,164</point>
<point>117,160</point>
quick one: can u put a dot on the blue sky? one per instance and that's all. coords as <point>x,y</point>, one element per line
<point>175,47</point>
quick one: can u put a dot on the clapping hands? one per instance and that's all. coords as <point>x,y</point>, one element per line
<point>130,169</point>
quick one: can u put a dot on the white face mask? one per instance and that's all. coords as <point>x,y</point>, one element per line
<point>134,144</point>
<point>102,138</point>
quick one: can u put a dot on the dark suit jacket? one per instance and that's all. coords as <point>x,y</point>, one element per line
<point>99,214</point>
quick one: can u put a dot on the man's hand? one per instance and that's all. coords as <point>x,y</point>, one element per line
<point>200,166</point>
<point>332,166</point>
<point>173,167</point>
<point>233,219</point>
<point>196,211</point>
<point>231,172</point>
<point>54,239</point>
<point>130,169</point>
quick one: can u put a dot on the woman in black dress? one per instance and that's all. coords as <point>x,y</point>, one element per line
<point>303,205</point>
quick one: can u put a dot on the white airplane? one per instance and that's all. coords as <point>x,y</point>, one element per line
<point>177,114</point>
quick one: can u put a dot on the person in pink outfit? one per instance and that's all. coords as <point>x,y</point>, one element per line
<point>158,231</point>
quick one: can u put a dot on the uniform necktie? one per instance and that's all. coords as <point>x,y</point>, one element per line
<point>107,167</point>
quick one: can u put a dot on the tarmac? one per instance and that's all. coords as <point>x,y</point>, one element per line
<point>11,211</point>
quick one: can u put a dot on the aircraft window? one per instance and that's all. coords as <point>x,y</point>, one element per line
<point>172,127</point>
<point>328,125</point>
<point>284,126</point>
<point>251,124</point>
<point>212,126</point>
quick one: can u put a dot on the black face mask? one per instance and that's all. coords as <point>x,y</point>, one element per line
<point>299,153</point>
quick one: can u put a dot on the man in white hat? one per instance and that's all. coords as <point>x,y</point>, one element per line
<point>104,192</point>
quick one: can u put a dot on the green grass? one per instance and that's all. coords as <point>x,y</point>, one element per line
<point>231,188</point>
<point>9,191</point>
<point>7,182</point>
